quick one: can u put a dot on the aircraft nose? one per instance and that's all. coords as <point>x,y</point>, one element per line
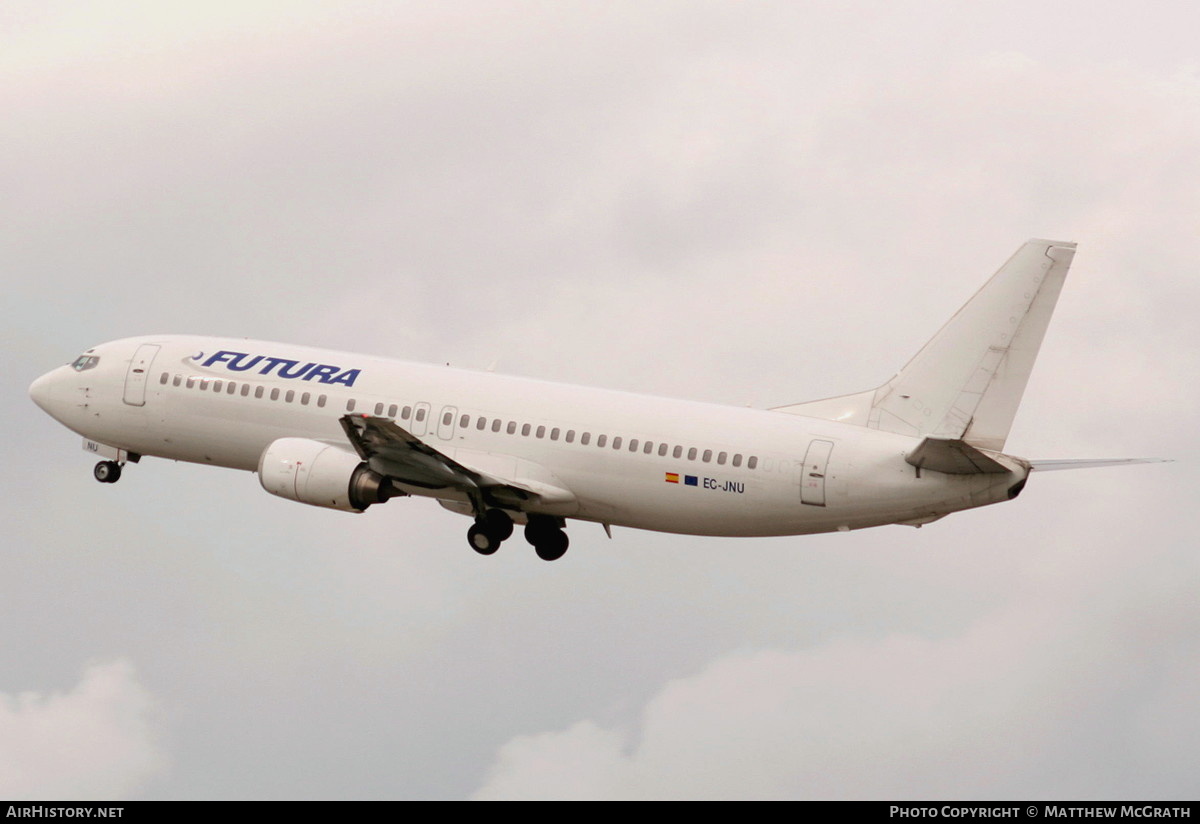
<point>42,391</point>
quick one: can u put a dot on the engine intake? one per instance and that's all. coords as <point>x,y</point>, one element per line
<point>320,474</point>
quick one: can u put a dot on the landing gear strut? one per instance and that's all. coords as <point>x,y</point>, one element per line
<point>549,541</point>
<point>489,531</point>
<point>107,472</point>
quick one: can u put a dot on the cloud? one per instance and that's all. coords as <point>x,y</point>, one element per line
<point>96,742</point>
<point>1080,687</point>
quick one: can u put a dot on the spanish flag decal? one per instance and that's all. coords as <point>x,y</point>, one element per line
<point>672,477</point>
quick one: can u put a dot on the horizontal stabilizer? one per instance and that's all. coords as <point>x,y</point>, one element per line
<point>954,457</point>
<point>1089,463</point>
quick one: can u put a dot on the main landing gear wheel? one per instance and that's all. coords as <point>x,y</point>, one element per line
<point>481,540</point>
<point>497,522</point>
<point>107,472</point>
<point>549,541</point>
<point>493,529</point>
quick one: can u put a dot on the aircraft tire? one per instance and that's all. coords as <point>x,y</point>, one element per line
<point>107,472</point>
<point>498,524</point>
<point>482,541</point>
<point>552,545</point>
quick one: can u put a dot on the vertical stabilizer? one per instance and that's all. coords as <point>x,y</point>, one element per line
<point>967,382</point>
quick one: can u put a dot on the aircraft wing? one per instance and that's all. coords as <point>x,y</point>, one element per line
<point>395,452</point>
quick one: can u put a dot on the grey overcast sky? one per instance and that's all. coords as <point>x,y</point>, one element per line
<point>750,203</point>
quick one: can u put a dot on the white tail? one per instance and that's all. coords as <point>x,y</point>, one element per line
<point>967,382</point>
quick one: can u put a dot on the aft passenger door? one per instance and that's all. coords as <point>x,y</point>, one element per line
<point>812,475</point>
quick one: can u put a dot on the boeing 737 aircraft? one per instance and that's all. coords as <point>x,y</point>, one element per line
<point>347,431</point>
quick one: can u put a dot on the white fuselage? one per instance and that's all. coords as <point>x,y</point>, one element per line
<point>627,459</point>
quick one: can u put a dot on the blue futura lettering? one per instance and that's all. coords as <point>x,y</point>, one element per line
<point>237,366</point>
<point>323,372</point>
<point>348,377</point>
<point>272,363</point>
<point>288,372</point>
<point>289,369</point>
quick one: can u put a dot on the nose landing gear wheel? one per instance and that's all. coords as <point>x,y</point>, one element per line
<point>107,472</point>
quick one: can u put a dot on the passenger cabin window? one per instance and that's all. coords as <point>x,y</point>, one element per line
<point>692,454</point>
<point>570,436</point>
<point>496,424</point>
<point>245,389</point>
<point>378,409</point>
<point>753,462</point>
<point>258,392</point>
<point>554,434</point>
<point>617,442</point>
<point>601,440</point>
<point>525,429</point>
<point>721,457</point>
<point>447,418</point>
<point>541,432</point>
<point>163,379</point>
<point>481,424</point>
<point>633,444</point>
<point>349,404</point>
<point>320,400</point>
<point>662,450</point>
<point>275,394</point>
<point>677,452</point>
<point>737,459</point>
<point>584,438</point>
<point>178,380</point>
<point>405,413</point>
<point>707,456</point>
<point>648,448</point>
<point>392,410</point>
<point>512,427</point>
<point>304,398</point>
<point>465,421</point>
<point>229,390</point>
<point>291,393</point>
<point>420,414</point>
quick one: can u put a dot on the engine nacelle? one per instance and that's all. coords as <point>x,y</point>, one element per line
<point>319,474</point>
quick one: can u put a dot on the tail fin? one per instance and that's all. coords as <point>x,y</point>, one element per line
<point>967,382</point>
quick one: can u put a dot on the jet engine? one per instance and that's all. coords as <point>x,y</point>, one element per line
<point>320,474</point>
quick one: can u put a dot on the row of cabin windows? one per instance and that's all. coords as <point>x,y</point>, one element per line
<point>555,433</point>
<point>219,386</point>
<point>677,452</point>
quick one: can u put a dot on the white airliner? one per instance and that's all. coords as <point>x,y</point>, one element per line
<point>346,431</point>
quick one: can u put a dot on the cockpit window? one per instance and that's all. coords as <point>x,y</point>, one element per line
<point>85,362</point>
